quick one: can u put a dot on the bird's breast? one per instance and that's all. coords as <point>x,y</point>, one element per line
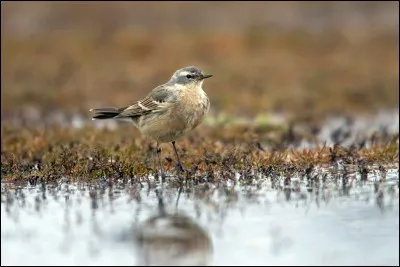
<point>192,107</point>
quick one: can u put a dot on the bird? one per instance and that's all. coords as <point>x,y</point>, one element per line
<point>169,111</point>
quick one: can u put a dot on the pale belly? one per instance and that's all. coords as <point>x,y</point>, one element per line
<point>170,126</point>
<point>178,119</point>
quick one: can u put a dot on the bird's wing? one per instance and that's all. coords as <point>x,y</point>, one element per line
<point>157,100</point>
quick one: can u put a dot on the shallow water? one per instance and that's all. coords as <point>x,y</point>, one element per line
<point>76,225</point>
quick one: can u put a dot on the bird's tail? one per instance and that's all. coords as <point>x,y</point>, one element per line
<point>105,113</point>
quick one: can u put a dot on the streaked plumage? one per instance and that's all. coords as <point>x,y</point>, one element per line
<point>169,110</point>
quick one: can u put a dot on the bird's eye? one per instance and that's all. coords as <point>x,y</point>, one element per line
<point>189,76</point>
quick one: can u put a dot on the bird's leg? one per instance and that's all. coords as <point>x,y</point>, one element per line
<point>160,162</point>
<point>181,169</point>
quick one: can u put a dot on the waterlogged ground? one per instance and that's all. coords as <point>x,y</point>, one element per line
<point>314,194</point>
<point>295,164</point>
<point>264,222</point>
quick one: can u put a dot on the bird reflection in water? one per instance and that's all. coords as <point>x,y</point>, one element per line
<point>172,240</point>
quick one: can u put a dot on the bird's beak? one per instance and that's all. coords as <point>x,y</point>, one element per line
<point>205,76</point>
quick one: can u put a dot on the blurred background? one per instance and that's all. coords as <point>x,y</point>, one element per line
<point>305,59</point>
<point>311,63</point>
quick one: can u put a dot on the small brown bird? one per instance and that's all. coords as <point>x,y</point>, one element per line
<point>169,111</point>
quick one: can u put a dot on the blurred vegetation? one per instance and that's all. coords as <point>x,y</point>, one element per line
<point>306,60</point>
<point>299,58</point>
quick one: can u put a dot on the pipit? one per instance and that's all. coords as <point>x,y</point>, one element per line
<point>169,111</point>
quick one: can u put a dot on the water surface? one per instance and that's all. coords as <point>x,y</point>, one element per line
<point>77,225</point>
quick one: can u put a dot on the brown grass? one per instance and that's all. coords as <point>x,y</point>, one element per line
<point>88,153</point>
<point>265,57</point>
